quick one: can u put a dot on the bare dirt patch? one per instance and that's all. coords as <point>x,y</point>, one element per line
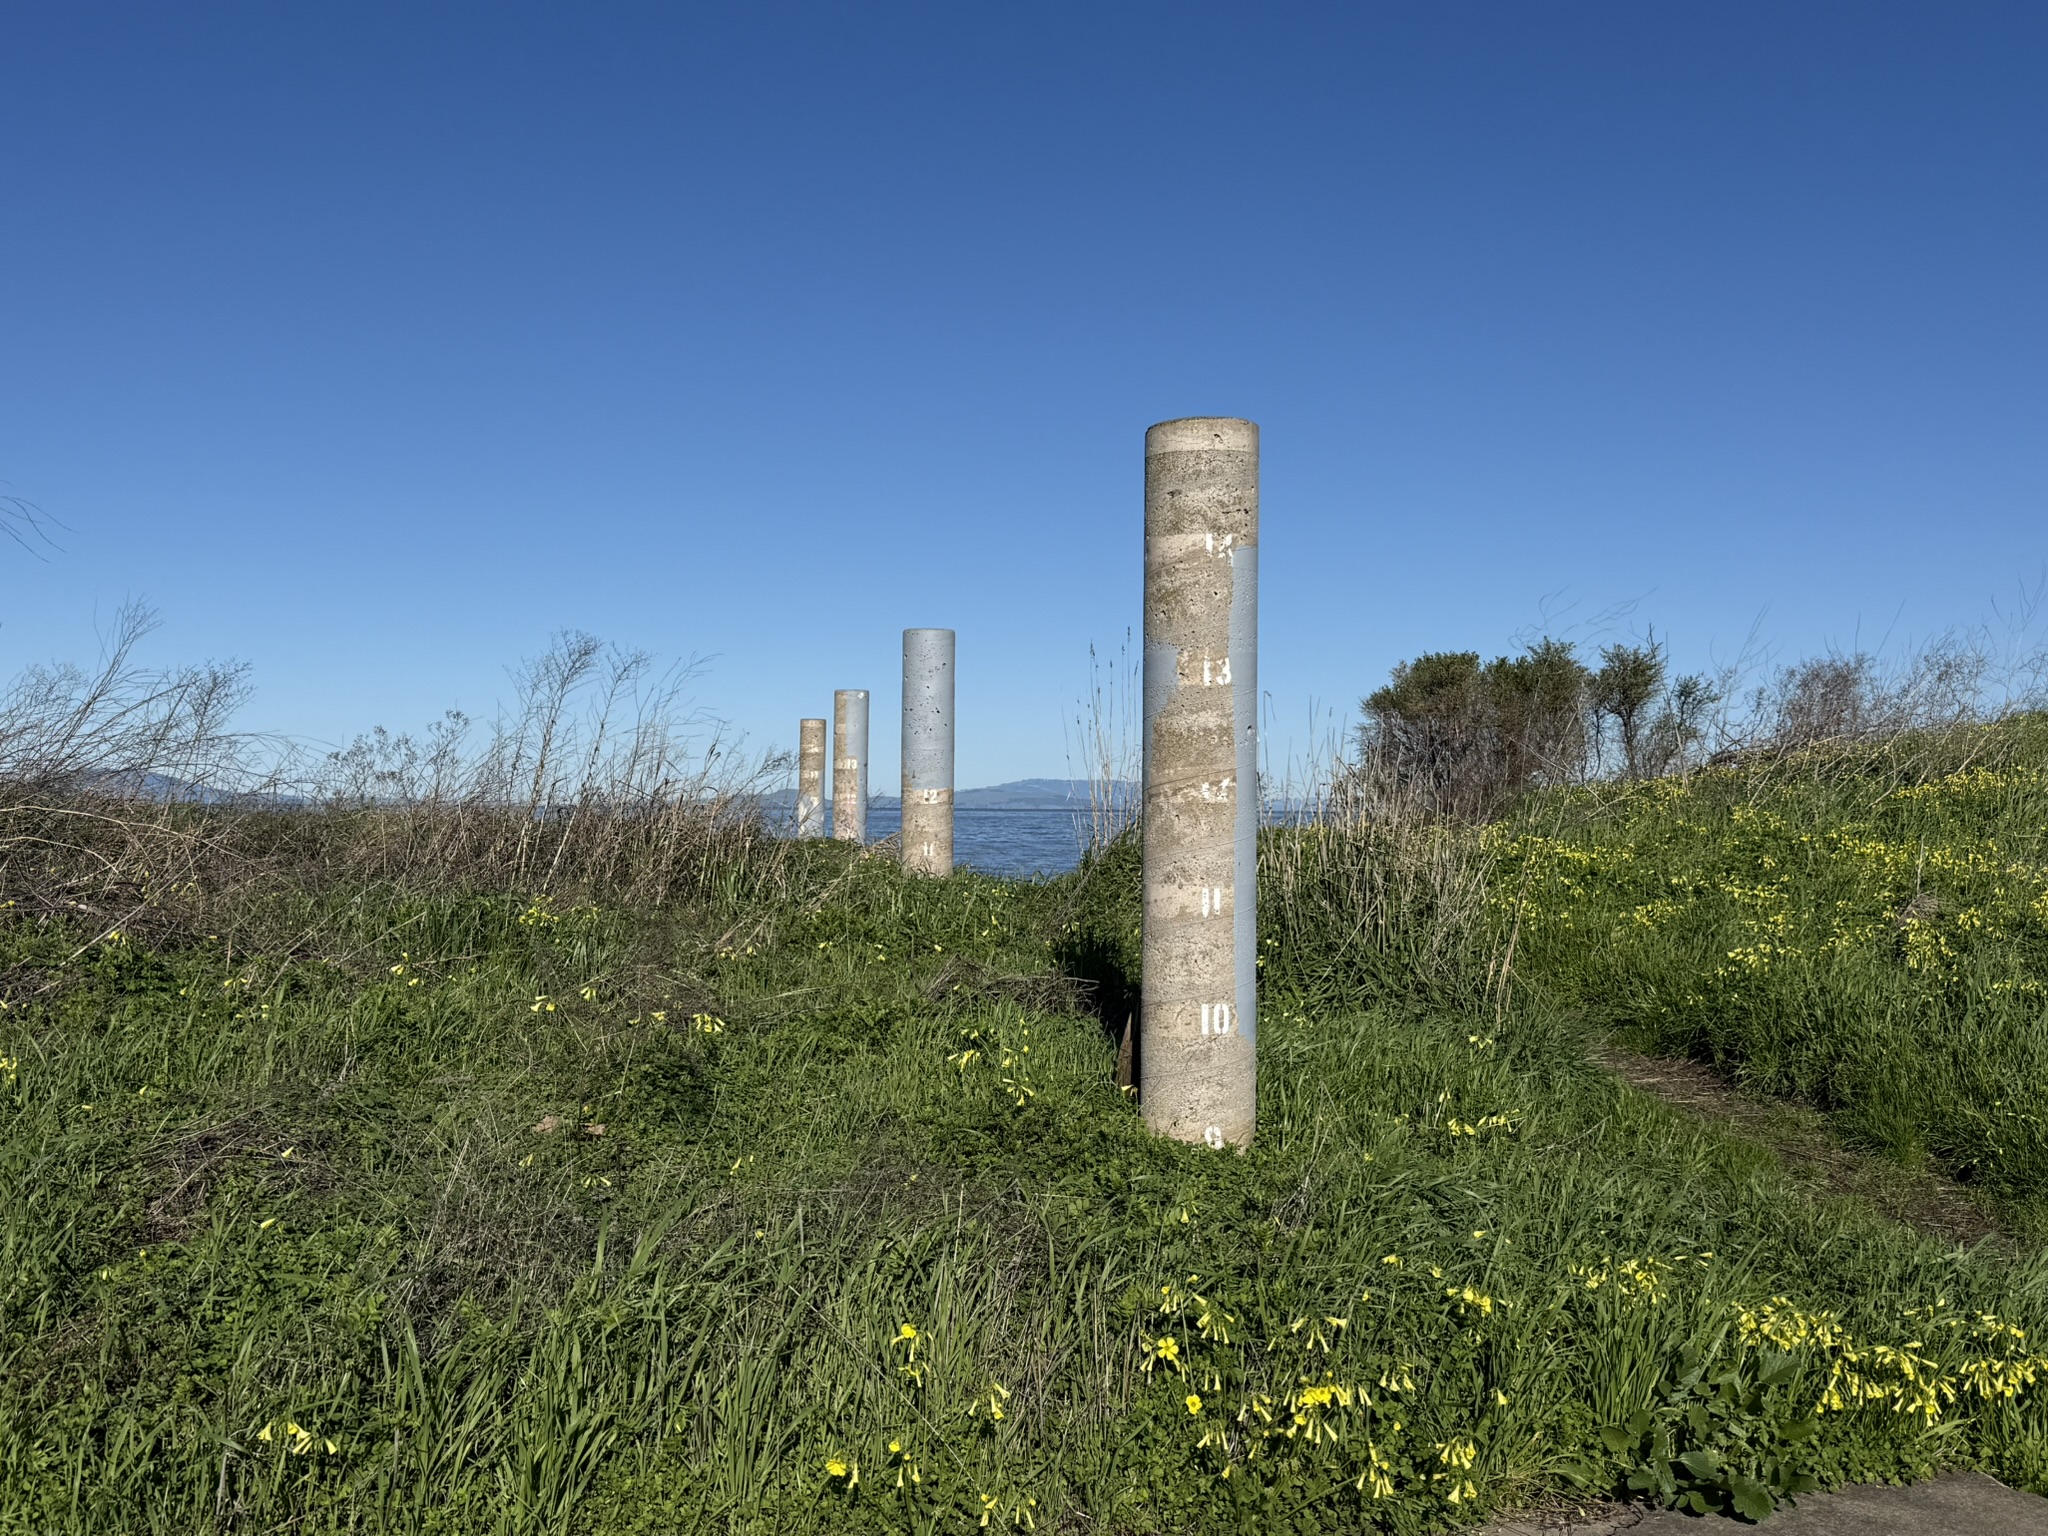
<point>1921,1198</point>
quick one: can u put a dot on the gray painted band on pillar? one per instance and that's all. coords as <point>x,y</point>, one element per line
<point>1197,1056</point>
<point>850,764</point>
<point>810,779</point>
<point>928,751</point>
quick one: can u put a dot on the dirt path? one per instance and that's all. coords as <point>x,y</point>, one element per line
<point>1955,1504</point>
<point>1917,1197</point>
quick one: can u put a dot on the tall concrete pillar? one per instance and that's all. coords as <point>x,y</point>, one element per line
<point>928,751</point>
<point>850,764</point>
<point>810,779</point>
<point>1196,1061</point>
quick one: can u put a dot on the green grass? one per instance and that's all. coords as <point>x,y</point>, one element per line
<point>306,1190</point>
<point>1866,930</point>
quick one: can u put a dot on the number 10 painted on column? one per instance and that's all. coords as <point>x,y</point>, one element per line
<point>1197,1032</point>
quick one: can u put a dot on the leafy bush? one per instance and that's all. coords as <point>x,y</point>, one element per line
<point>1718,1442</point>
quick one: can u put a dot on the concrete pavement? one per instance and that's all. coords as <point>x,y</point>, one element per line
<point>1954,1504</point>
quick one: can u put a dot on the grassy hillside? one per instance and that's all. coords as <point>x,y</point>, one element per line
<point>809,1203</point>
<point>1863,928</point>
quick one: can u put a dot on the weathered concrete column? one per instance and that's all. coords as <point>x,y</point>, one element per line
<point>850,764</point>
<point>810,779</point>
<point>1196,1061</point>
<point>928,751</point>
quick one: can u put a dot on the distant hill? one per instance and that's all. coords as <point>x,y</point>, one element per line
<point>1029,795</point>
<point>1019,795</point>
<point>166,790</point>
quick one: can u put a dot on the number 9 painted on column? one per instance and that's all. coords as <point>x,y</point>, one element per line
<point>1197,1036</point>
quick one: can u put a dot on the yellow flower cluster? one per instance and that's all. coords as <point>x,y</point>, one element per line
<point>297,1441</point>
<point>1920,1378</point>
<point>1644,1279</point>
<point>1014,1512</point>
<point>1008,1052</point>
<point>911,1343</point>
<point>1978,780</point>
<point>541,912</point>
<point>1500,1122</point>
<point>1325,1412</point>
<point>1469,1299</point>
<point>988,1403</point>
<point>906,1348</point>
<point>1378,1476</point>
<point>1456,1456</point>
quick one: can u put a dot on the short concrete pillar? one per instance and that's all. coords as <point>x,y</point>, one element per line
<point>928,751</point>
<point>1196,1059</point>
<point>810,779</point>
<point>850,764</point>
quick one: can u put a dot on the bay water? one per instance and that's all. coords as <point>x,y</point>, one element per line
<point>1017,844</point>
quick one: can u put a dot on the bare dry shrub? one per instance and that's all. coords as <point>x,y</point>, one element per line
<point>1110,728</point>
<point>24,522</point>
<point>127,798</point>
<point>1931,712</point>
<point>600,778</point>
<point>1373,873</point>
<point>1852,697</point>
<point>104,776</point>
<point>123,729</point>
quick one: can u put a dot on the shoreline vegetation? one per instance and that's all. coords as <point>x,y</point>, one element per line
<point>408,1161</point>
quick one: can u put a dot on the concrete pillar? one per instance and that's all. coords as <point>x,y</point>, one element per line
<point>1196,1061</point>
<point>850,764</point>
<point>928,751</point>
<point>810,779</point>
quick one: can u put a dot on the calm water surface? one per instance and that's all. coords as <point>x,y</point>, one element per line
<point>1018,844</point>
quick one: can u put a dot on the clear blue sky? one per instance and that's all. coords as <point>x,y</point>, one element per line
<point>373,343</point>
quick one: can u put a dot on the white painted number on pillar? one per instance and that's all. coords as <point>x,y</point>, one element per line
<point>1212,901</point>
<point>1214,1136</point>
<point>1213,673</point>
<point>1217,791</point>
<point>1215,1019</point>
<point>1221,546</point>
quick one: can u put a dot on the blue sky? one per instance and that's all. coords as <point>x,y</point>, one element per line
<point>373,344</point>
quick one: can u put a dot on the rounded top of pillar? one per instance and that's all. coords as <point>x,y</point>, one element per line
<point>921,632</point>
<point>1193,434</point>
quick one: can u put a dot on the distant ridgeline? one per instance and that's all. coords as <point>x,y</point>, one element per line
<point>1020,795</point>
